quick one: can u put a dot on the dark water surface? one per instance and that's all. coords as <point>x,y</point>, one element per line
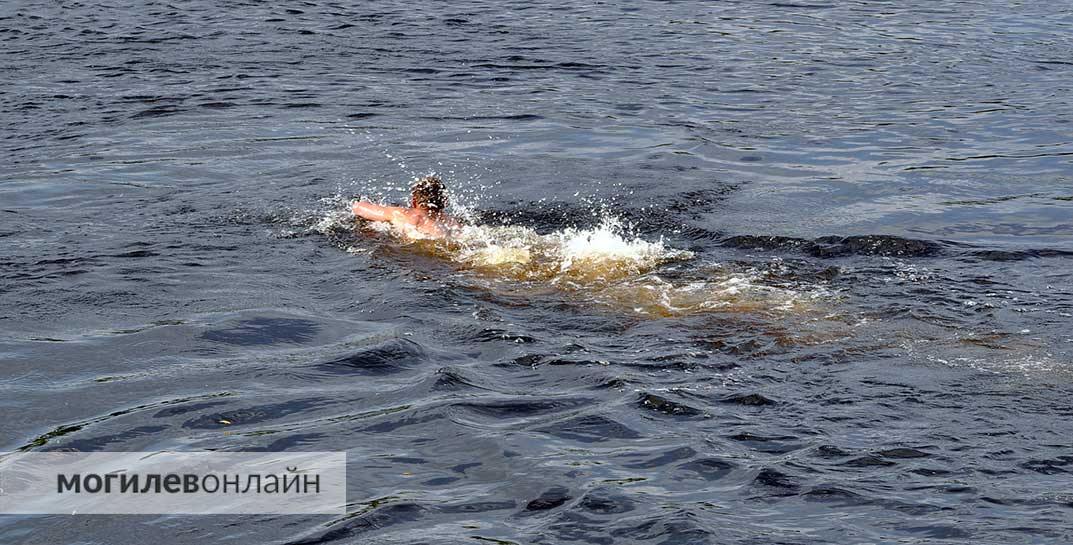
<point>870,341</point>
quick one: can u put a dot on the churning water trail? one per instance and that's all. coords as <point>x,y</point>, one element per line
<point>603,264</point>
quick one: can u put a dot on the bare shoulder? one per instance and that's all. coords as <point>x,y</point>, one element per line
<point>437,227</point>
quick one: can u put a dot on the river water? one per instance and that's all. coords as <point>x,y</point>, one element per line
<point>736,272</point>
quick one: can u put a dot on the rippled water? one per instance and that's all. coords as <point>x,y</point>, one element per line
<point>737,272</point>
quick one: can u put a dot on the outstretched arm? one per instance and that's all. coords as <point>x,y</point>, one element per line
<point>374,212</point>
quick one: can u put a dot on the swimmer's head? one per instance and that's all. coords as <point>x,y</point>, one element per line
<point>429,192</point>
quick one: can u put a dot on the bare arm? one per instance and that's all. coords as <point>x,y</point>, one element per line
<point>374,212</point>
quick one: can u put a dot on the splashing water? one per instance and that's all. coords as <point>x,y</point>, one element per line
<point>603,264</point>
<point>569,256</point>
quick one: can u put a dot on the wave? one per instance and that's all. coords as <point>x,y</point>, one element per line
<point>836,246</point>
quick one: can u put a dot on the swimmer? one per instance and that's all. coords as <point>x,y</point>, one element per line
<point>423,219</point>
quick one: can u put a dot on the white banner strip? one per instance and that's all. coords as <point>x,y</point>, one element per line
<point>195,483</point>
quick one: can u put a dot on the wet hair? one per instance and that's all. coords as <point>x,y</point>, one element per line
<point>430,193</point>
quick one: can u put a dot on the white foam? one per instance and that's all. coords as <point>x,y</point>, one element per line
<point>600,250</point>
<point>603,263</point>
